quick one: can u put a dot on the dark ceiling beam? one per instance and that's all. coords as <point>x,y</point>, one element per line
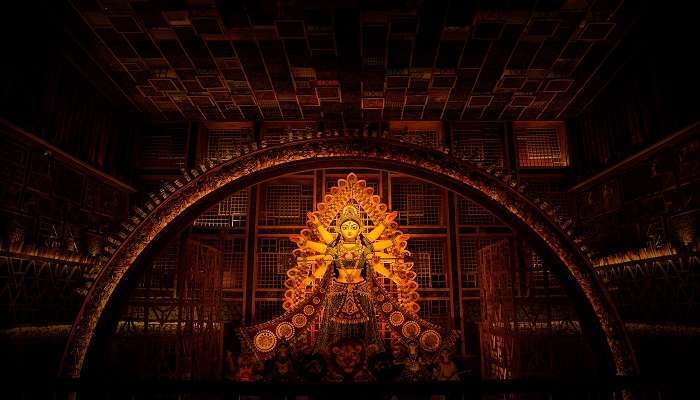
<point>609,68</point>
<point>75,51</point>
<point>49,150</point>
<point>640,156</point>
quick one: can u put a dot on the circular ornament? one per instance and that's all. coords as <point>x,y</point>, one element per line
<point>387,307</point>
<point>285,330</point>
<point>396,318</point>
<point>316,300</point>
<point>299,320</point>
<point>410,329</point>
<point>308,309</point>
<point>430,340</point>
<point>265,341</point>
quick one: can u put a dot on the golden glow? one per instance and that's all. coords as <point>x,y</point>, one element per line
<point>510,200</point>
<point>636,255</point>
<point>350,230</point>
<point>346,202</point>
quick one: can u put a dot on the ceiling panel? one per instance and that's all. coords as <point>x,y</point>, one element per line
<point>288,60</point>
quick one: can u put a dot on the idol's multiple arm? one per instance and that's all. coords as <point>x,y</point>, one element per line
<point>379,229</point>
<point>378,258</point>
<point>323,261</point>
<point>323,233</point>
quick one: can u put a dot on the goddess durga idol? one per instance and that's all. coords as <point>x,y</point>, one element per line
<point>351,299</point>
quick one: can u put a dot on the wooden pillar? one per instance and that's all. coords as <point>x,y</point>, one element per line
<point>456,292</point>
<point>249,284</point>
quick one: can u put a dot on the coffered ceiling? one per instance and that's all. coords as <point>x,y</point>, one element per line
<point>357,60</point>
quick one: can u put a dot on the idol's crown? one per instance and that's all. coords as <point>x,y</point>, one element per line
<point>349,213</point>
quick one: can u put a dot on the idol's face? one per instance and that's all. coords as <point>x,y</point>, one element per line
<point>349,230</point>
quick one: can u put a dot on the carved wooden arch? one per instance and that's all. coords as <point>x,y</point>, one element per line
<point>181,202</point>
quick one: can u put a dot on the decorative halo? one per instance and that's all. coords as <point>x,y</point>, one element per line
<point>316,300</point>
<point>351,199</point>
<point>299,320</point>
<point>396,318</point>
<point>410,329</point>
<point>309,309</point>
<point>284,330</point>
<point>265,341</point>
<point>387,307</point>
<point>430,340</point>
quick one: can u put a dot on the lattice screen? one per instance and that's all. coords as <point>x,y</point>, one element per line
<point>552,192</point>
<point>165,147</point>
<point>436,311</point>
<point>468,263</point>
<point>480,145</point>
<point>162,271</point>
<point>221,143</point>
<point>274,258</point>
<point>232,212</point>
<point>234,261</point>
<point>135,313</point>
<point>498,344</point>
<point>231,311</point>
<point>537,272</point>
<point>373,61</point>
<point>286,204</point>
<point>418,203</point>
<point>422,137</point>
<point>469,260</point>
<point>471,310</point>
<point>539,147</point>
<point>470,213</point>
<point>429,262</point>
<point>266,310</point>
<point>274,135</point>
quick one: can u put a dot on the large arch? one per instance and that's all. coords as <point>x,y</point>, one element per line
<point>185,199</point>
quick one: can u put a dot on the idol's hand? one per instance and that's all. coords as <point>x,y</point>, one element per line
<point>389,218</point>
<point>298,239</point>
<point>313,218</point>
<point>401,238</point>
<point>307,281</point>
